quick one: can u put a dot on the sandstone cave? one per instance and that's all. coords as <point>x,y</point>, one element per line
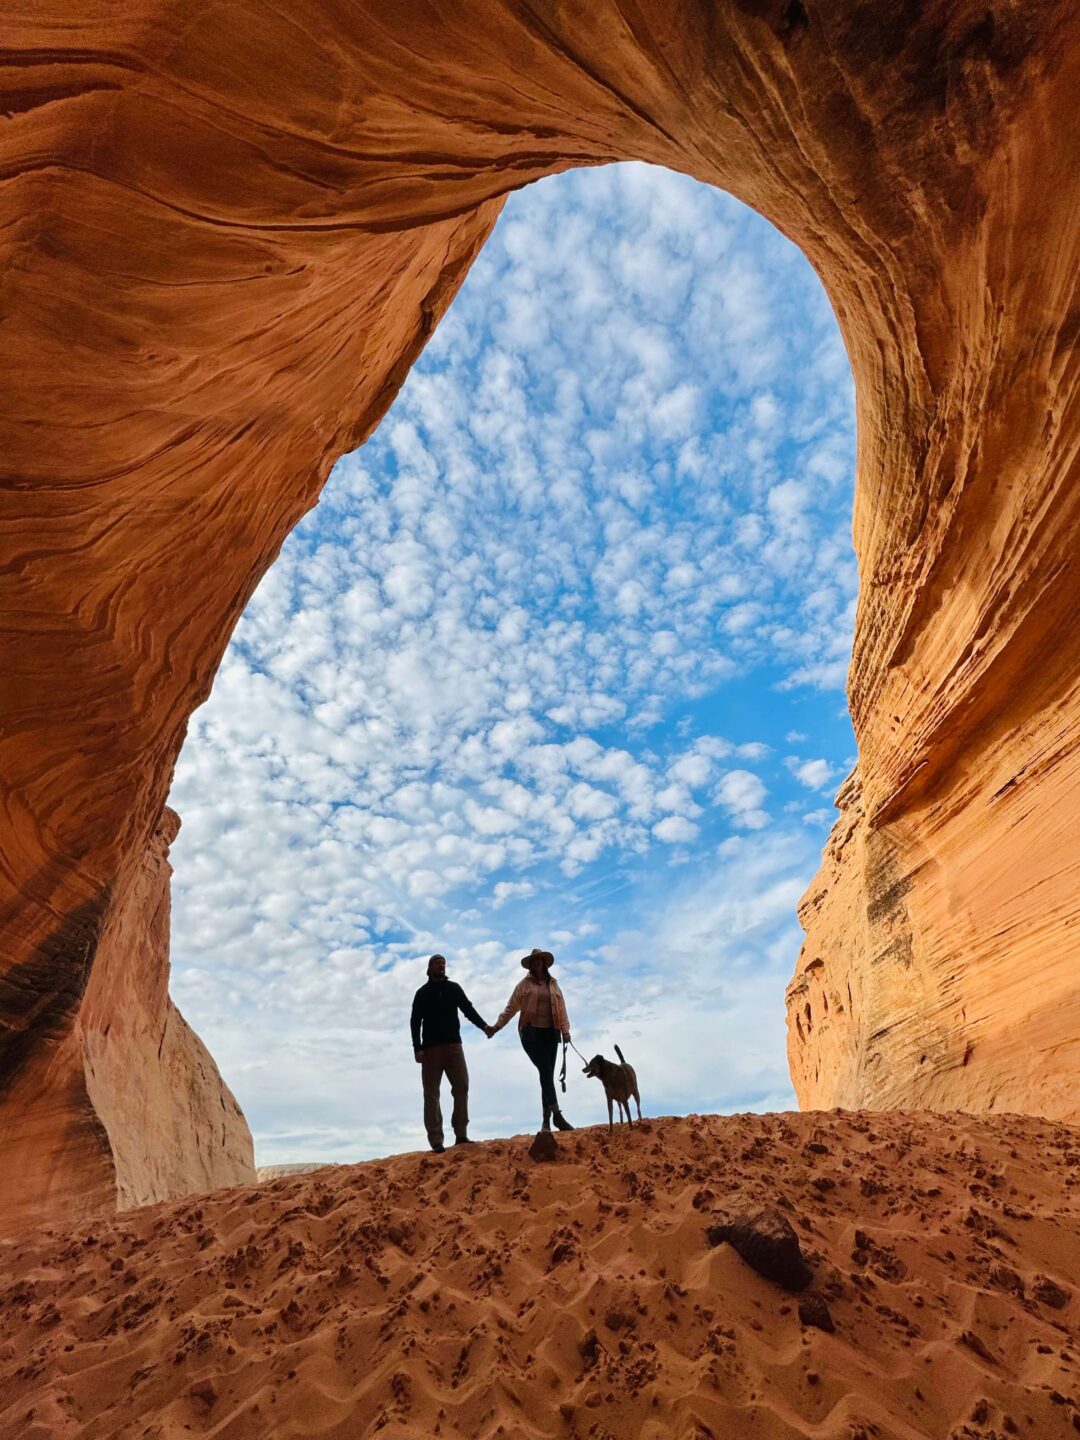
<point>227,241</point>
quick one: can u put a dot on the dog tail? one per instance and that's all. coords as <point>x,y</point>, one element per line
<point>622,1057</point>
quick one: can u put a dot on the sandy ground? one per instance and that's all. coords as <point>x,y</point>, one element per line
<point>477,1294</point>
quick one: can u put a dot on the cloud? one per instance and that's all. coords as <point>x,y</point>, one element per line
<point>814,774</point>
<point>821,674</point>
<point>511,890</point>
<point>692,769</point>
<point>742,794</point>
<point>675,829</point>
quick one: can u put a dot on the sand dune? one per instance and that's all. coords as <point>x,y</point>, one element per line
<point>476,1294</point>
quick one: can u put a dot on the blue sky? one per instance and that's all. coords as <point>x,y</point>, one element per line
<point>558,660</point>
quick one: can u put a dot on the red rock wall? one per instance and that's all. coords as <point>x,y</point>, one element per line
<point>940,968</point>
<point>949,894</point>
<point>225,239</point>
<point>173,1124</point>
<point>127,1106</point>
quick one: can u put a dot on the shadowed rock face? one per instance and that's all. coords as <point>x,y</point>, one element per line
<point>224,244</point>
<point>117,1101</point>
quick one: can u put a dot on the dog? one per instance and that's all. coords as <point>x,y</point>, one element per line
<point>619,1082</point>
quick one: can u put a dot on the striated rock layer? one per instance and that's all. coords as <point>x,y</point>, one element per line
<point>224,240</point>
<point>940,968</point>
<point>478,1295</point>
<point>124,1105</point>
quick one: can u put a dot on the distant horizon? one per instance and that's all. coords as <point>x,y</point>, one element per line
<point>557,660</point>
<point>287,1167</point>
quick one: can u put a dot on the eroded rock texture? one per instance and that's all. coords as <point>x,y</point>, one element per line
<point>227,235</point>
<point>121,1104</point>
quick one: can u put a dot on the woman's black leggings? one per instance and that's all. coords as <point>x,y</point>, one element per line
<point>541,1044</point>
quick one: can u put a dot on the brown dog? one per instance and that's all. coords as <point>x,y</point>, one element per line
<point>619,1081</point>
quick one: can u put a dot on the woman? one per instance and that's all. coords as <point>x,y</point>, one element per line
<point>538,1002</point>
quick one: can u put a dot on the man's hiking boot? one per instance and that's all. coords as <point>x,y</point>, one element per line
<point>438,1149</point>
<point>547,1119</point>
<point>464,1140</point>
<point>561,1122</point>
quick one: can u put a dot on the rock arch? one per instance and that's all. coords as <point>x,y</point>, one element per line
<point>228,232</point>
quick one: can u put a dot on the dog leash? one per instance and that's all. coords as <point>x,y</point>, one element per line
<point>577,1052</point>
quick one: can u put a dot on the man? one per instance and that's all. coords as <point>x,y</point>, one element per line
<point>436,1037</point>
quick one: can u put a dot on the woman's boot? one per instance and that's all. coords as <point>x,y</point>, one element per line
<point>561,1122</point>
<point>547,1118</point>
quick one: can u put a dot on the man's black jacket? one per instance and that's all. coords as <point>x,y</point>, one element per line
<point>435,1009</point>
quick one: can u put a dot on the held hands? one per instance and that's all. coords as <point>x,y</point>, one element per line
<point>489,1031</point>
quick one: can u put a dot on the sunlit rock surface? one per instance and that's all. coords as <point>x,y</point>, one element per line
<point>224,243</point>
<point>266,1173</point>
<point>940,964</point>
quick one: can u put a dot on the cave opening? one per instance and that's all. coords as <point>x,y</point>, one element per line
<point>218,286</point>
<point>558,659</point>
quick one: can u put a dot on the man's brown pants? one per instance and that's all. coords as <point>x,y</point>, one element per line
<point>449,1060</point>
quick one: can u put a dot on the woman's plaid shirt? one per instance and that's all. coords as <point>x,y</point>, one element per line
<point>525,1003</point>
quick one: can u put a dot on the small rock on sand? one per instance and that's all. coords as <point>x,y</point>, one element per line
<point>543,1148</point>
<point>814,1312</point>
<point>768,1244</point>
<point>1049,1292</point>
<point>205,1393</point>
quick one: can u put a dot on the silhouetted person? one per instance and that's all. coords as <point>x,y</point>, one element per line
<point>538,1002</point>
<point>436,1038</point>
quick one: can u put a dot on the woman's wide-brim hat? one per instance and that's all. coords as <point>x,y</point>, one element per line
<point>544,955</point>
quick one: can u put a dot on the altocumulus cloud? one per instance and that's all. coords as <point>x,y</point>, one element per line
<point>525,676</point>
